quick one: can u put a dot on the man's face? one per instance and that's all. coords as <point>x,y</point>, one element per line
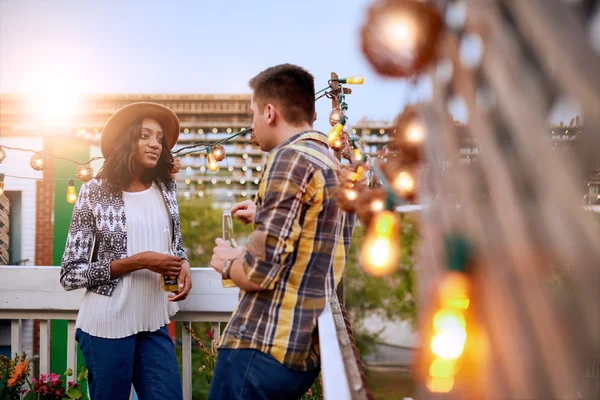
<point>261,125</point>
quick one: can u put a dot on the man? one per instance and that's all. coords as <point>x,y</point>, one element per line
<point>294,258</point>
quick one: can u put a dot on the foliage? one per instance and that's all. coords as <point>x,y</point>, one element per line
<point>200,226</point>
<point>14,374</point>
<point>392,297</point>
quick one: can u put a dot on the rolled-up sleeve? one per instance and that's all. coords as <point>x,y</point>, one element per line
<point>277,222</point>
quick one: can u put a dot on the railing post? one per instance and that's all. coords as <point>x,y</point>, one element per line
<point>216,327</point>
<point>16,346</point>
<point>44,346</point>
<point>186,360</point>
<point>71,351</point>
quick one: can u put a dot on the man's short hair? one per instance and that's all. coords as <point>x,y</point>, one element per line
<point>289,87</point>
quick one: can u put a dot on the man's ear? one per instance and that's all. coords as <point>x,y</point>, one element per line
<point>270,113</point>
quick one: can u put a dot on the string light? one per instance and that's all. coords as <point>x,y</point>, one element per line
<point>357,154</point>
<point>84,172</point>
<point>415,134</point>
<point>2,154</point>
<point>404,183</point>
<point>218,152</point>
<point>71,193</point>
<point>379,252</point>
<point>244,168</point>
<point>1,184</point>
<point>335,116</point>
<point>353,80</point>
<point>212,162</point>
<point>335,135</point>
<point>38,161</point>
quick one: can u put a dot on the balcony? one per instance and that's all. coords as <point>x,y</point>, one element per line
<point>35,293</point>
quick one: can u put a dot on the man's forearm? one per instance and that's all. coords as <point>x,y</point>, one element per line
<point>239,277</point>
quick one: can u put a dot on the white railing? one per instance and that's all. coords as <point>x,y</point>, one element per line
<point>35,293</point>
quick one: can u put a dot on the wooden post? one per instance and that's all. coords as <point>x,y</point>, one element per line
<point>4,229</point>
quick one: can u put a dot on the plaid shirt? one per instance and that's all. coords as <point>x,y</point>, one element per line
<point>296,254</point>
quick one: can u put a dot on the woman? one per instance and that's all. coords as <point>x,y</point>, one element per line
<point>124,236</point>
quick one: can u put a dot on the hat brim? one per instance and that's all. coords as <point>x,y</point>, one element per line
<point>120,120</point>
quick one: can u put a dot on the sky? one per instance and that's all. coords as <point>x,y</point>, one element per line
<point>193,46</point>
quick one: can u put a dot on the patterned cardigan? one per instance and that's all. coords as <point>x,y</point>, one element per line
<point>98,235</point>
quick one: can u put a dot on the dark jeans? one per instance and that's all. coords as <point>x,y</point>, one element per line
<point>253,375</point>
<point>146,359</point>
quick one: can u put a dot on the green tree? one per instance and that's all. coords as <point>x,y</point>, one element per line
<point>392,297</point>
<point>201,225</point>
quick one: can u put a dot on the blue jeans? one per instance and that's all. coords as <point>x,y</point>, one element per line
<point>146,359</point>
<point>253,375</point>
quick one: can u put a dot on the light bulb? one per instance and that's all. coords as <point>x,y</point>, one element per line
<point>358,155</point>
<point>442,368</point>
<point>440,385</point>
<point>84,172</point>
<point>380,250</point>
<point>454,290</point>
<point>355,80</point>
<point>2,154</point>
<point>448,319</point>
<point>449,343</point>
<point>71,193</point>
<point>1,184</point>
<point>212,162</point>
<point>351,194</point>
<point>335,116</point>
<point>38,161</point>
<point>377,205</point>
<point>415,134</point>
<point>404,183</point>
<point>219,153</point>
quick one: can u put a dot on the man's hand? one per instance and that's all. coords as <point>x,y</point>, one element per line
<point>185,282</point>
<point>223,252</point>
<point>244,211</point>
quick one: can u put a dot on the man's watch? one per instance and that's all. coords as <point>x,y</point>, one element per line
<point>227,268</point>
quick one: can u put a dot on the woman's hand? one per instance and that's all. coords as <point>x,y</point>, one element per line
<point>164,264</point>
<point>185,282</point>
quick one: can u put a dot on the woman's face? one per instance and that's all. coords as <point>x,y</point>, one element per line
<point>150,144</point>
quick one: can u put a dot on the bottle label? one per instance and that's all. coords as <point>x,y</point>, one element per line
<point>169,281</point>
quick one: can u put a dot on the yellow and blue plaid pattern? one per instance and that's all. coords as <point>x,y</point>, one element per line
<point>296,253</point>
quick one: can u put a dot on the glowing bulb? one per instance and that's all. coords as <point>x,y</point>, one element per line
<point>355,80</point>
<point>244,194</point>
<point>215,130</point>
<point>2,154</point>
<point>404,183</point>
<point>415,134</point>
<point>244,168</point>
<point>1,184</point>
<point>71,193</point>
<point>214,181</point>
<point>448,319</point>
<point>454,290</point>
<point>334,136</point>
<point>229,194</point>
<point>380,253</point>
<point>187,181</point>
<point>245,156</point>
<point>228,130</point>
<point>351,194</point>
<point>38,161</point>
<point>212,162</point>
<point>219,153</point>
<point>377,205</point>
<point>228,181</point>
<point>399,33</point>
<point>449,343</point>
<point>201,194</point>
<point>200,131</point>
<point>442,368</point>
<point>440,385</point>
<point>230,169</point>
<point>335,116</point>
<point>202,168</point>
<point>358,155</point>
<point>242,181</point>
<point>256,181</point>
<point>259,168</point>
<point>186,130</point>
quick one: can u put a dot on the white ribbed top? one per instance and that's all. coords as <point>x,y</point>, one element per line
<point>138,303</point>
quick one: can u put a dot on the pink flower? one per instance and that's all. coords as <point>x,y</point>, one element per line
<point>54,378</point>
<point>44,377</point>
<point>35,381</point>
<point>310,392</point>
<point>72,384</point>
<point>210,333</point>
